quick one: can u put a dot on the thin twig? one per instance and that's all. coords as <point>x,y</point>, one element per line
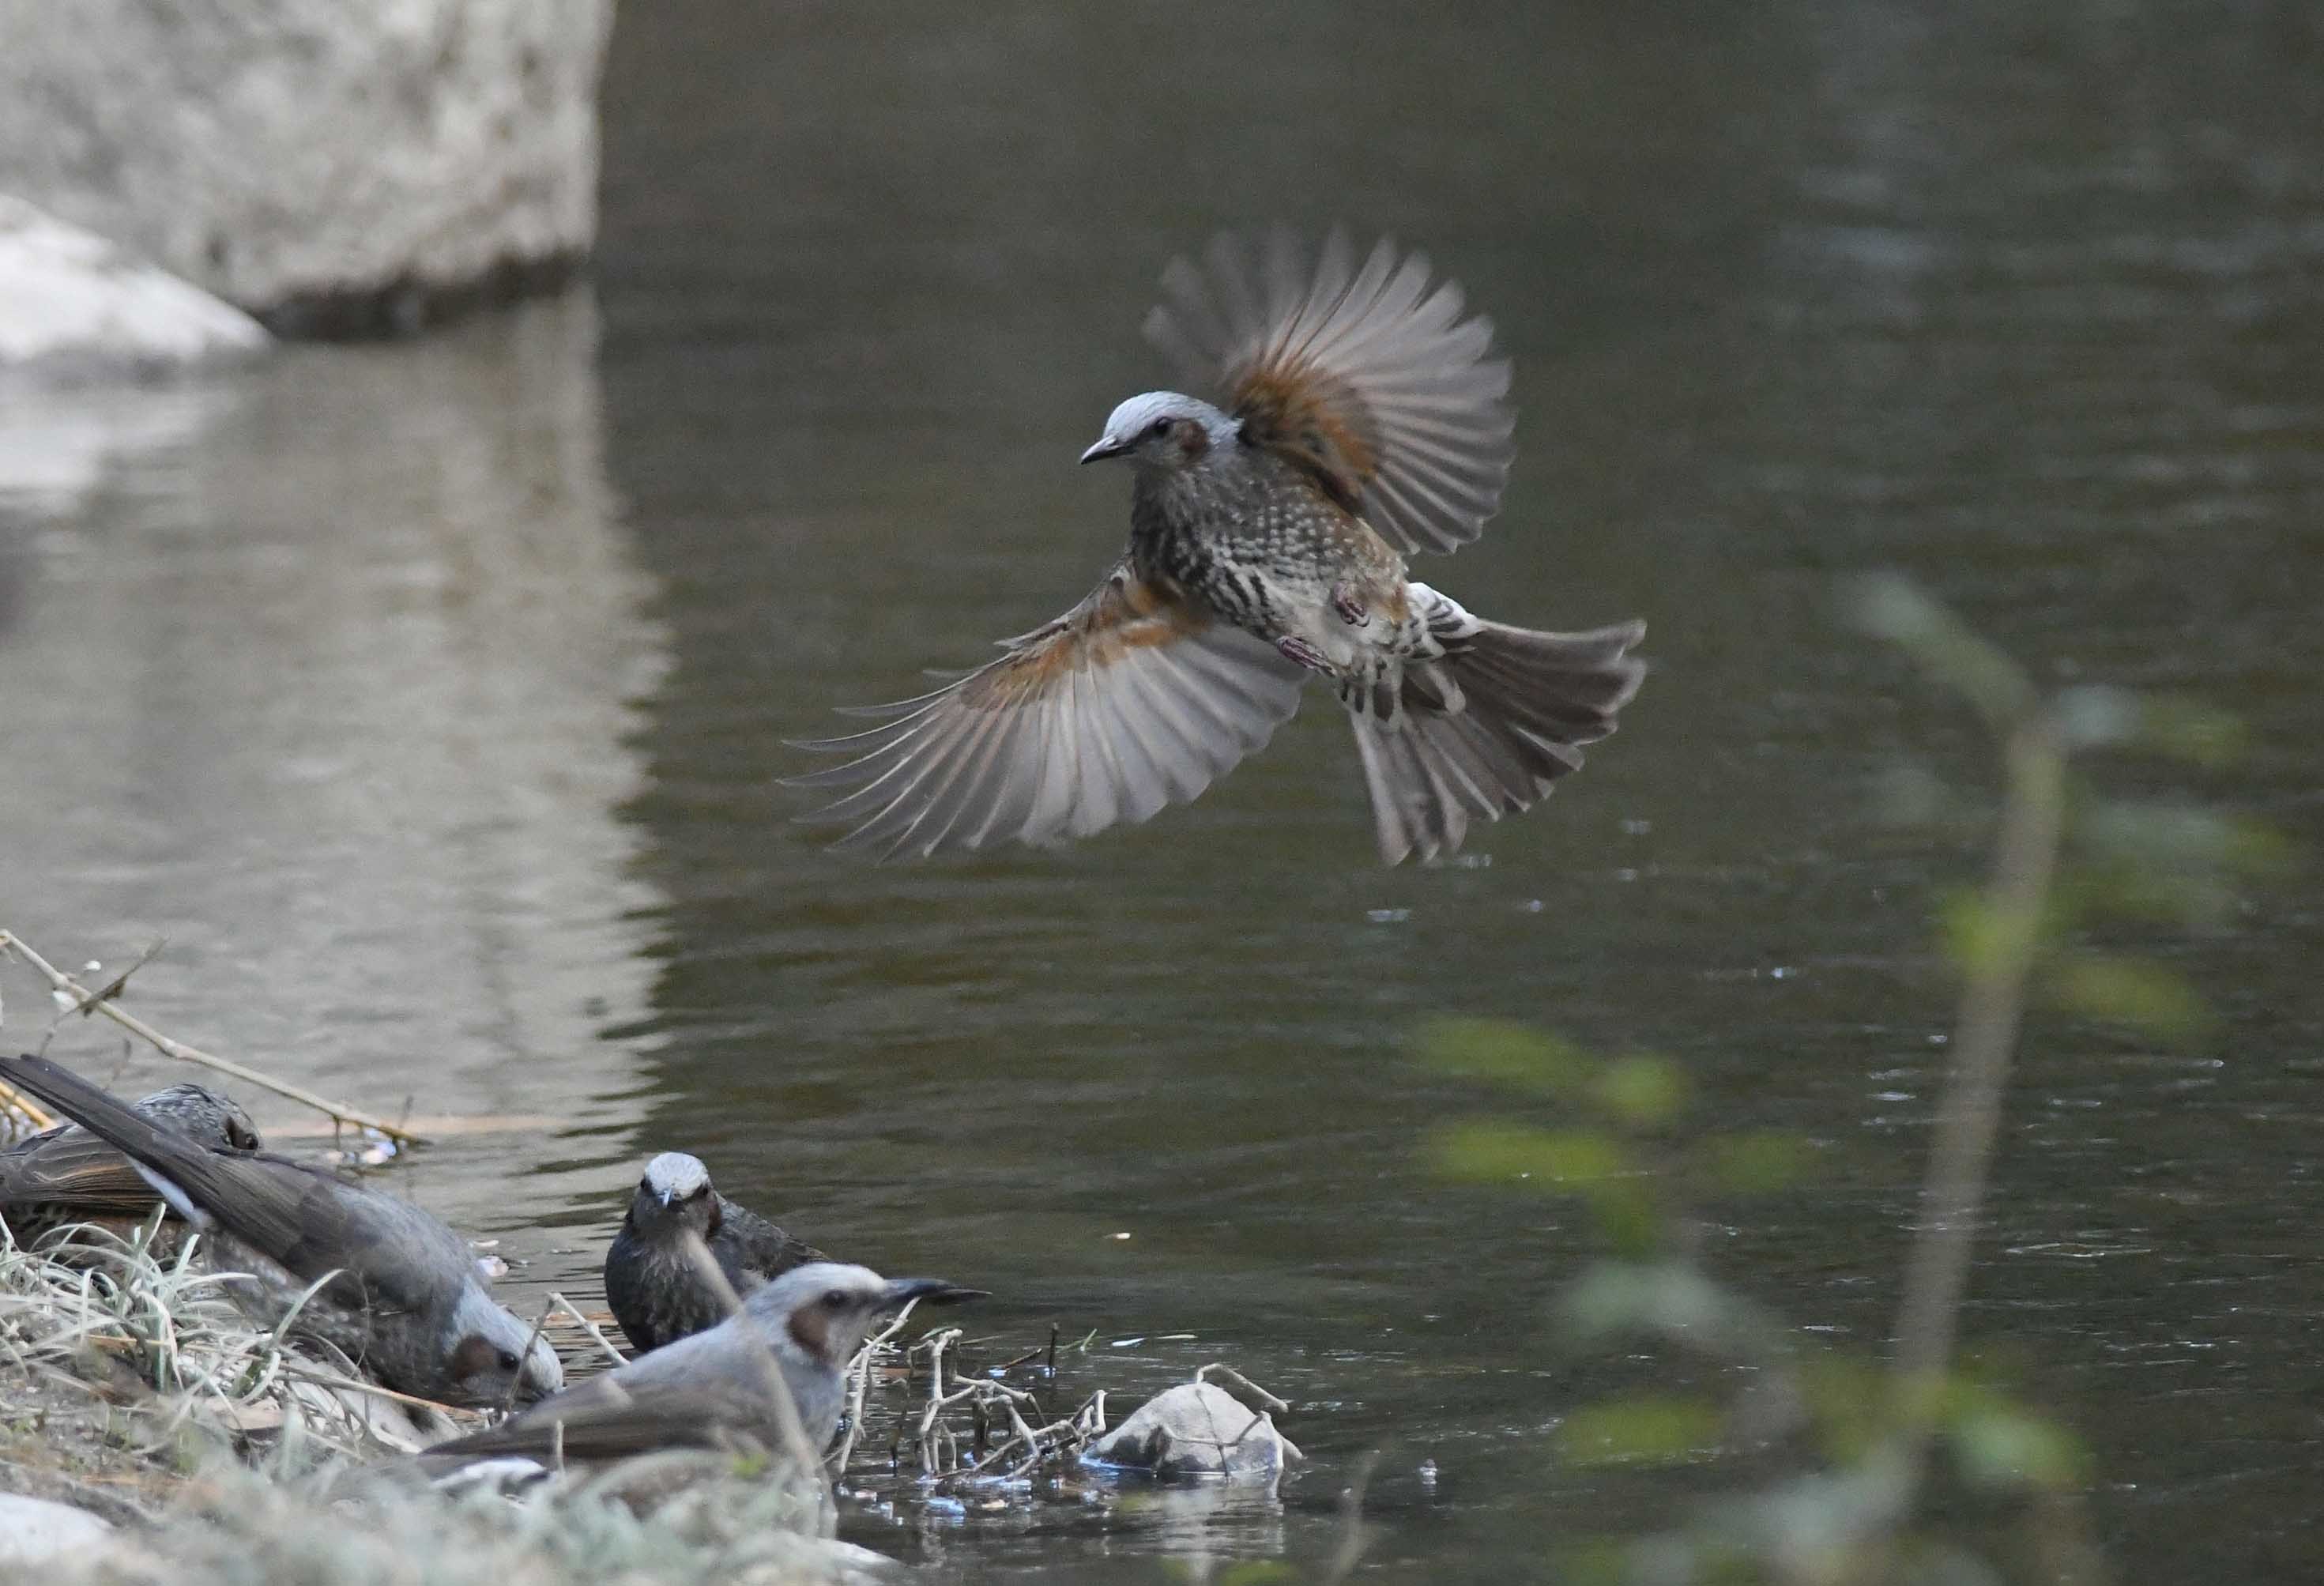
<point>859,1374</point>
<point>516,1378</point>
<point>1267,1399</point>
<point>613,1353</point>
<point>87,1001</point>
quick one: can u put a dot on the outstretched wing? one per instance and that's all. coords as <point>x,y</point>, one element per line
<point>1364,377</point>
<point>1133,699</point>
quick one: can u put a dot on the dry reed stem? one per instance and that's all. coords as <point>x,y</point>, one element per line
<point>32,1112</point>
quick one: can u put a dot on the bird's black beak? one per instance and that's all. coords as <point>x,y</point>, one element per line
<point>1110,447</point>
<point>903,1291</point>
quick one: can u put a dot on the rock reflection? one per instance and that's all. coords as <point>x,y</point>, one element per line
<point>334,689</point>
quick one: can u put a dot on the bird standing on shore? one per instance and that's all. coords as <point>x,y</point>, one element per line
<point>716,1388</point>
<point>654,1281</point>
<point>1362,420</point>
<point>403,1299</point>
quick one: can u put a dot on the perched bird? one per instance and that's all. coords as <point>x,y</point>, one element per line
<point>655,1279</point>
<point>65,1175</point>
<point>716,1388</point>
<point>1362,420</point>
<point>407,1301</point>
<point>655,1283</point>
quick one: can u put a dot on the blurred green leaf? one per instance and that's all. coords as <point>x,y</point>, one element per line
<point>2183,839</point>
<point>1672,1299</point>
<point>1595,1561</point>
<point>1630,1217</point>
<point>1255,1572</point>
<point>1980,938</point>
<point>2123,889</point>
<point>1892,607</point>
<point>2190,730</point>
<point>2135,992</point>
<point>1913,796</point>
<point>1756,1162</point>
<point>2098,716</point>
<point>1642,1089</point>
<point>1549,1159</point>
<point>1851,1404</point>
<point>1641,1429</point>
<point>1506,1053</point>
<point>1998,1443</point>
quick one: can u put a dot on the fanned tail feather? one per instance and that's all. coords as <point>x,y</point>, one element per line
<point>1484,731</point>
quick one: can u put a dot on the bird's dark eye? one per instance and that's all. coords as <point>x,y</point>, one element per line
<point>508,1360</point>
<point>1160,428</point>
<point>835,1300</point>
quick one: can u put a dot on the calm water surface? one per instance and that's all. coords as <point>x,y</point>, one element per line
<point>429,698</point>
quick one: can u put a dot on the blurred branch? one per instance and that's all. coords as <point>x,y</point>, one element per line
<point>1985,1038</point>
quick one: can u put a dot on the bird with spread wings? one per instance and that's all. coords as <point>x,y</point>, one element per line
<point>1362,419</point>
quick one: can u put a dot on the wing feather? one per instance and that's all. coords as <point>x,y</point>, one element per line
<point>1365,376</point>
<point>1132,700</point>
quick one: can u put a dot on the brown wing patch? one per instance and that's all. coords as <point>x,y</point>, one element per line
<point>1314,421</point>
<point>1127,613</point>
<point>1362,374</point>
<point>1132,700</point>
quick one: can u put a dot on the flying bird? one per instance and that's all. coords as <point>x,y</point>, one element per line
<point>400,1292</point>
<point>1361,421</point>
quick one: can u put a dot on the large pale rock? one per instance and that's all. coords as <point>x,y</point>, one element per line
<point>70,299</point>
<point>329,166</point>
<point>1197,1429</point>
<point>34,1531</point>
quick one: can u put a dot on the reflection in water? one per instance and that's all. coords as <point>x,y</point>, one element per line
<point>331,688</point>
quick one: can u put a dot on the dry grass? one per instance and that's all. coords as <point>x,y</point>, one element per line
<point>135,1387</point>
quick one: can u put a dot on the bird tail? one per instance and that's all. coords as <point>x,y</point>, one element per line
<point>1484,729</point>
<point>179,1169</point>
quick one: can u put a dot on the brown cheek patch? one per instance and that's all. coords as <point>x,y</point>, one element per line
<point>472,1356</point>
<point>810,1327</point>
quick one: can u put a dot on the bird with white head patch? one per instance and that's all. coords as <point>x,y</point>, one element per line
<point>656,1281</point>
<point>1363,420</point>
<point>775,1369</point>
